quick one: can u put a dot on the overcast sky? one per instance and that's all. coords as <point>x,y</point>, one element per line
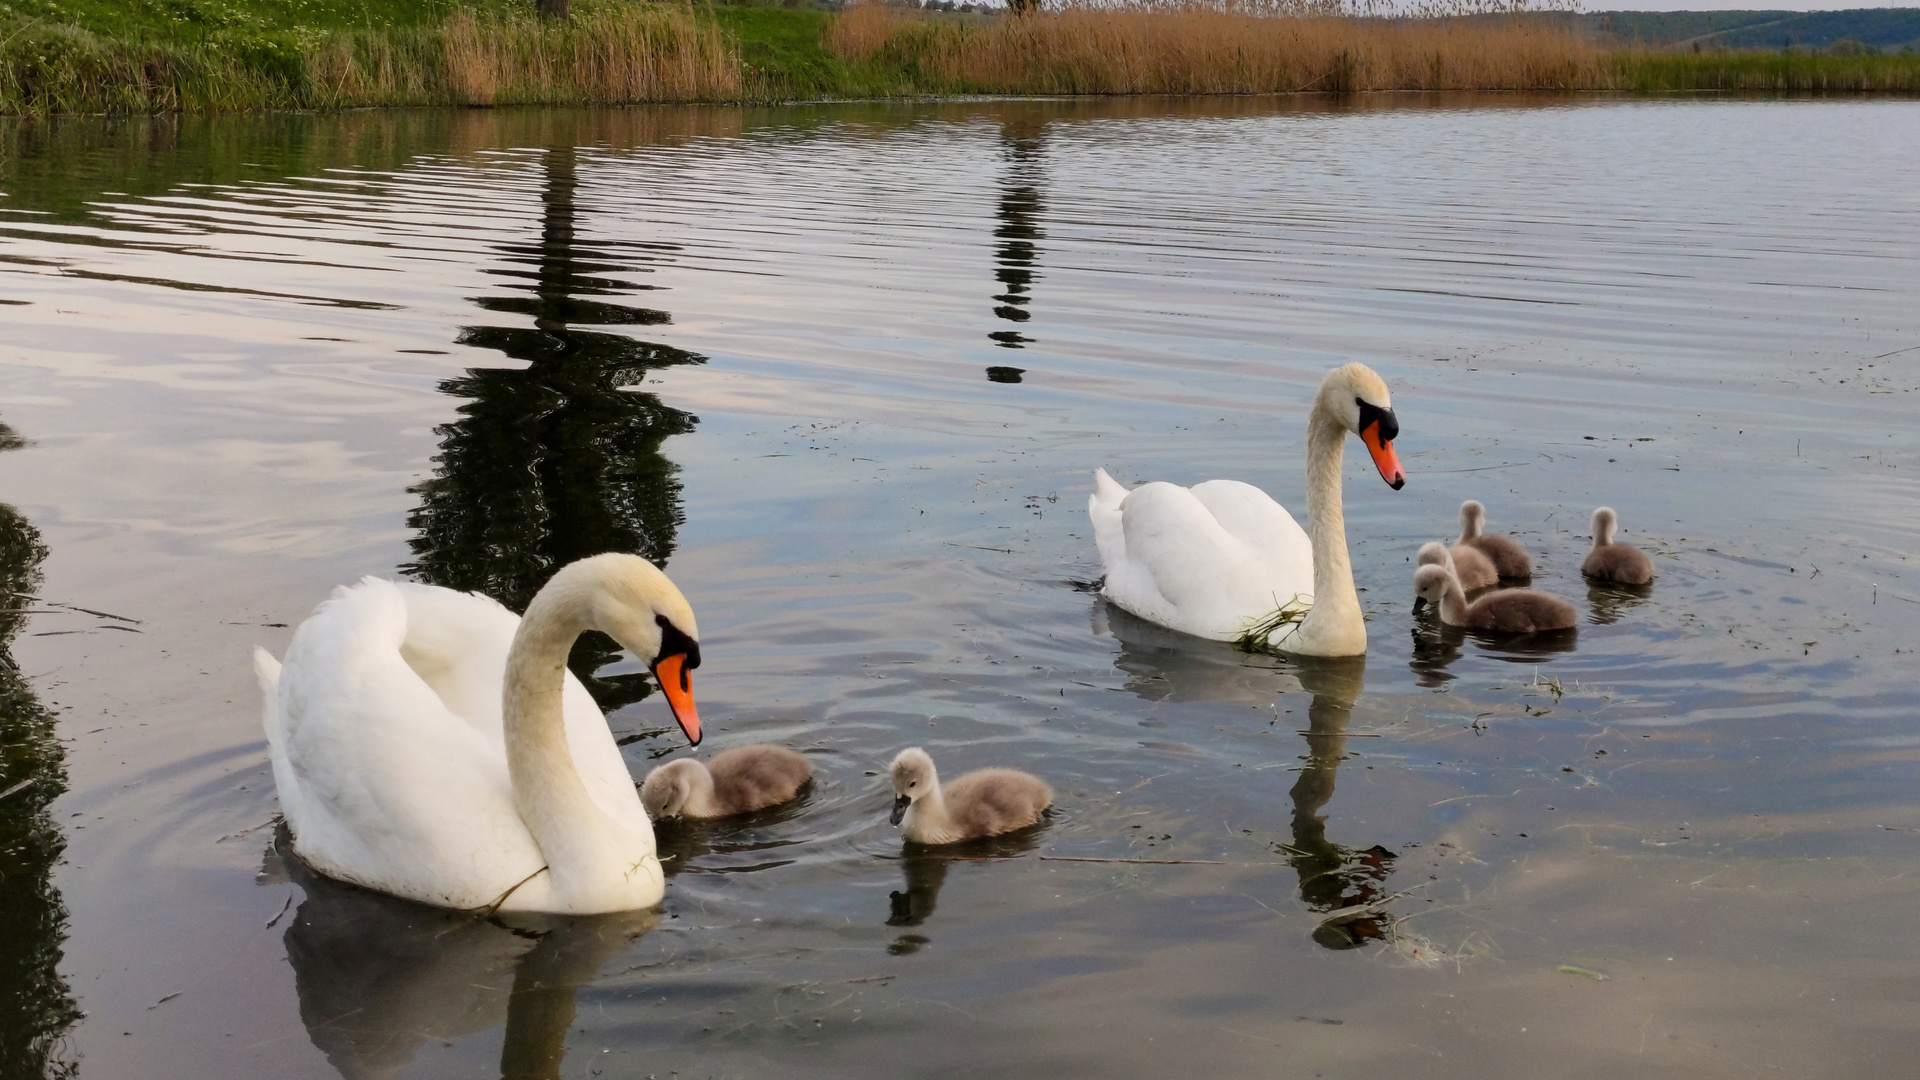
<point>1732,5</point>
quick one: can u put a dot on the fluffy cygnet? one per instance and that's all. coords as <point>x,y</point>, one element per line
<point>1510,560</point>
<point>985,802</point>
<point>1510,611</point>
<point>736,781</point>
<point>1613,561</point>
<point>1474,570</point>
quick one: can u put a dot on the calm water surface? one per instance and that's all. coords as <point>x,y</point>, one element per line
<point>846,371</point>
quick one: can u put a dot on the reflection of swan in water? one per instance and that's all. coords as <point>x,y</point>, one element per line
<point>1165,665</point>
<point>926,872</point>
<point>1611,600</point>
<point>378,977</point>
<point>1436,645</point>
<point>1332,876</point>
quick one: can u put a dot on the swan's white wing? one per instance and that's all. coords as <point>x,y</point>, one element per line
<point>391,789</point>
<point>1208,560</point>
<point>458,642</point>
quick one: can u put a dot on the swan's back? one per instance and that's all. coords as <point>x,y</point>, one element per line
<point>988,802</point>
<point>748,778</point>
<point>1206,560</point>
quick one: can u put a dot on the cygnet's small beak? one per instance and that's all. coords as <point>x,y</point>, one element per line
<point>1419,604</point>
<point>900,809</point>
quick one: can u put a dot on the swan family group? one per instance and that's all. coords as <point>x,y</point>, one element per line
<point>430,744</point>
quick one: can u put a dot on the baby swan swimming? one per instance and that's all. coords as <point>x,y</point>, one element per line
<point>985,802</point>
<point>1510,611</point>
<point>1474,570</point>
<point>1509,559</point>
<point>1613,561</point>
<point>736,781</point>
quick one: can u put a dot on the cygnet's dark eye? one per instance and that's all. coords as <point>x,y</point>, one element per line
<point>913,783</point>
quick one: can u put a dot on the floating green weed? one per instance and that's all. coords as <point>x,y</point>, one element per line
<point>1258,636</point>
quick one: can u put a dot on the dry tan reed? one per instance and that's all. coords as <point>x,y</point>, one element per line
<point>1199,48</point>
<point>612,56</point>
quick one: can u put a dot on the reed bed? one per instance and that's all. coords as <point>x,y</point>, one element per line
<point>1200,48</point>
<point>617,54</point>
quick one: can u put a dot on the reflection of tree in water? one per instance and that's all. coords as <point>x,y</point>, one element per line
<point>36,1008</point>
<point>1021,205</point>
<point>558,460</point>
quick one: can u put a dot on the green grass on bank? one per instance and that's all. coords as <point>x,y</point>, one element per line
<point>1667,73</point>
<point>784,59</point>
<point>143,56</point>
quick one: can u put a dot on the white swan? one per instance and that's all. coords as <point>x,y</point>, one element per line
<point>1220,558</point>
<point>429,744</point>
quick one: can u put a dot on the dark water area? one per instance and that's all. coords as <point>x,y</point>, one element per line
<point>846,371</point>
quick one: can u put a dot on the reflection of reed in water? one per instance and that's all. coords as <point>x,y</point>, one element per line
<point>1018,232</point>
<point>1163,665</point>
<point>378,977</point>
<point>36,1008</point>
<point>559,460</point>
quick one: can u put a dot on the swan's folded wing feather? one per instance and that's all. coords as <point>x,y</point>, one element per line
<point>394,791</point>
<point>1256,520</point>
<point>1210,577</point>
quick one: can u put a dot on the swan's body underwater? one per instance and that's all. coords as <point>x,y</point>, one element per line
<point>430,744</point>
<point>1221,558</point>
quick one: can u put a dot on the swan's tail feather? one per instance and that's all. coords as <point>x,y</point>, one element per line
<point>1109,535</point>
<point>267,670</point>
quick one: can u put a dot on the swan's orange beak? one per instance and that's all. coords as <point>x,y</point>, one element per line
<point>1384,458</point>
<point>671,671</point>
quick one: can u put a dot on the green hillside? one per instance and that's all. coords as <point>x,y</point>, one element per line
<point>1887,29</point>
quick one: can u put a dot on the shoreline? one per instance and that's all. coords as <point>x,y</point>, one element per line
<point>615,53</point>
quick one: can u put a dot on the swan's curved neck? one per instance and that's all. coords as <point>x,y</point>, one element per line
<point>576,837</point>
<point>1334,626</point>
<point>1602,530</point>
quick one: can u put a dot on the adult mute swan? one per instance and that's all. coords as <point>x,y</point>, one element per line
<point>429,744</point>
<point>1220,559</point>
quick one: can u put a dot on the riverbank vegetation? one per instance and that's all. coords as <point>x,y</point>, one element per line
<point>122,56</point>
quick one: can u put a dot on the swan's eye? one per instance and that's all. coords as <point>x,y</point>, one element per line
<point>913,783</point>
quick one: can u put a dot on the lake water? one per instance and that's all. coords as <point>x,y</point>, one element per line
<point>847,370</point>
